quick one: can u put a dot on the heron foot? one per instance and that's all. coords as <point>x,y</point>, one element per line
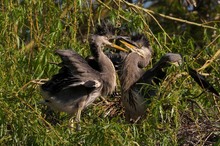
<point>78,127</point>
<point>72,123</point>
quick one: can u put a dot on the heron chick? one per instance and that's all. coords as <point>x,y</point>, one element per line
<point>132,74</point>
<point>77,84</point>
<point>135,99</point>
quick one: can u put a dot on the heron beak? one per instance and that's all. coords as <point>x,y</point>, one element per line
<point>112,45</point>
<point>118,47</point>
<point>130,46</point>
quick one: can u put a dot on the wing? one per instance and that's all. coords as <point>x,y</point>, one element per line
<point>76,63</point>
<point>65,79</point>
<point>201,81</point>
<point>75,71</point>
<point>58,81</point>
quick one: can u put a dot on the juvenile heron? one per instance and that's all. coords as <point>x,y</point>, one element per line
<point>132,69</point>
<point>132,75</point>
<point>136,98</point>
<point>77,84</point>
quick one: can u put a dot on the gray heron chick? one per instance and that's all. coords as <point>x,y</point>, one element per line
<point>136,99</point>
<point>77,84</point>
<point>133,75</point>
<point>131,70</point>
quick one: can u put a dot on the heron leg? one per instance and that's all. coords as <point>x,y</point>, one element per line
<point>79,109</point>
<point>76,121</point>
<point>78,116</point>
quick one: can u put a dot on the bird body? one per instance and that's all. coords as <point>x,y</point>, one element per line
<point>136,102</point>
<point>138,96</point>
<point>70,99</point>
<point>132,69</point>
<point>128,74</point>
<point>77,84</point>
<point>75,87</point>
<point>134,105</point>
<point>133,76</point>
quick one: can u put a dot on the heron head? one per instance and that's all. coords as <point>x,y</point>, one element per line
<point>139,44</point>
<point>100,40</point>
<point>172,58</point>
<point>104,40</point>
<point>140,41</point>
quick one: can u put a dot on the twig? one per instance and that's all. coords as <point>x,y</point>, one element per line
<point>168,17</point>
<point>103,99</point>
<point>216,103</point>
<point>213,41</point>
<point>207,138</point>
<point>75,21</point>
<point>36,81</point>
<point>89,20</point>
<point>203,111</point>
<point>110,9</point>
<point>39,116</point>
<point>142,17</point>
<point>39,81</point>
<point>208,62</point>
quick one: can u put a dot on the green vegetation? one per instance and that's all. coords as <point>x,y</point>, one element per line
<point>30,31</point>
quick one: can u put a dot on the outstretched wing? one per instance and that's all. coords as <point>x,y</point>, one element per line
<point>76,63</point>
<point>75,71</point>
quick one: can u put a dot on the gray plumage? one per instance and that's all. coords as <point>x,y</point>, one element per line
<point>135,98</point>
<point>132,69</point>
<point>132,75</point>
<point>77,84</point>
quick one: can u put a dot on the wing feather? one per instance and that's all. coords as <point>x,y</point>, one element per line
<point>75,71</point>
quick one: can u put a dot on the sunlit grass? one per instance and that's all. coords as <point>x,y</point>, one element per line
<point>32,30</point>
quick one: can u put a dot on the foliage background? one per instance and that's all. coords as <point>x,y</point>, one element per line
<point>30,31</point>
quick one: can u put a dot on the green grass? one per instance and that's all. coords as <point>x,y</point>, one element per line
<point>30,31</point>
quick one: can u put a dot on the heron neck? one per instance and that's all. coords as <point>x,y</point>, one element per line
<point>131,71</point>
<point>95,49</point>
<point>104,62</point>
<point>108,74</point>
<point>106,67</point>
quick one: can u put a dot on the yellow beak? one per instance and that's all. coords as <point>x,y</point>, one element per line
<point>129,46</point>
<point>118,47</point>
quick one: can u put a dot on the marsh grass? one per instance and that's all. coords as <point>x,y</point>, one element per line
<point>30,31</point>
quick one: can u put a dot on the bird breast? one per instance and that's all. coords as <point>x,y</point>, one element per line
<point>109,83</point>
<point>108,75</point>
